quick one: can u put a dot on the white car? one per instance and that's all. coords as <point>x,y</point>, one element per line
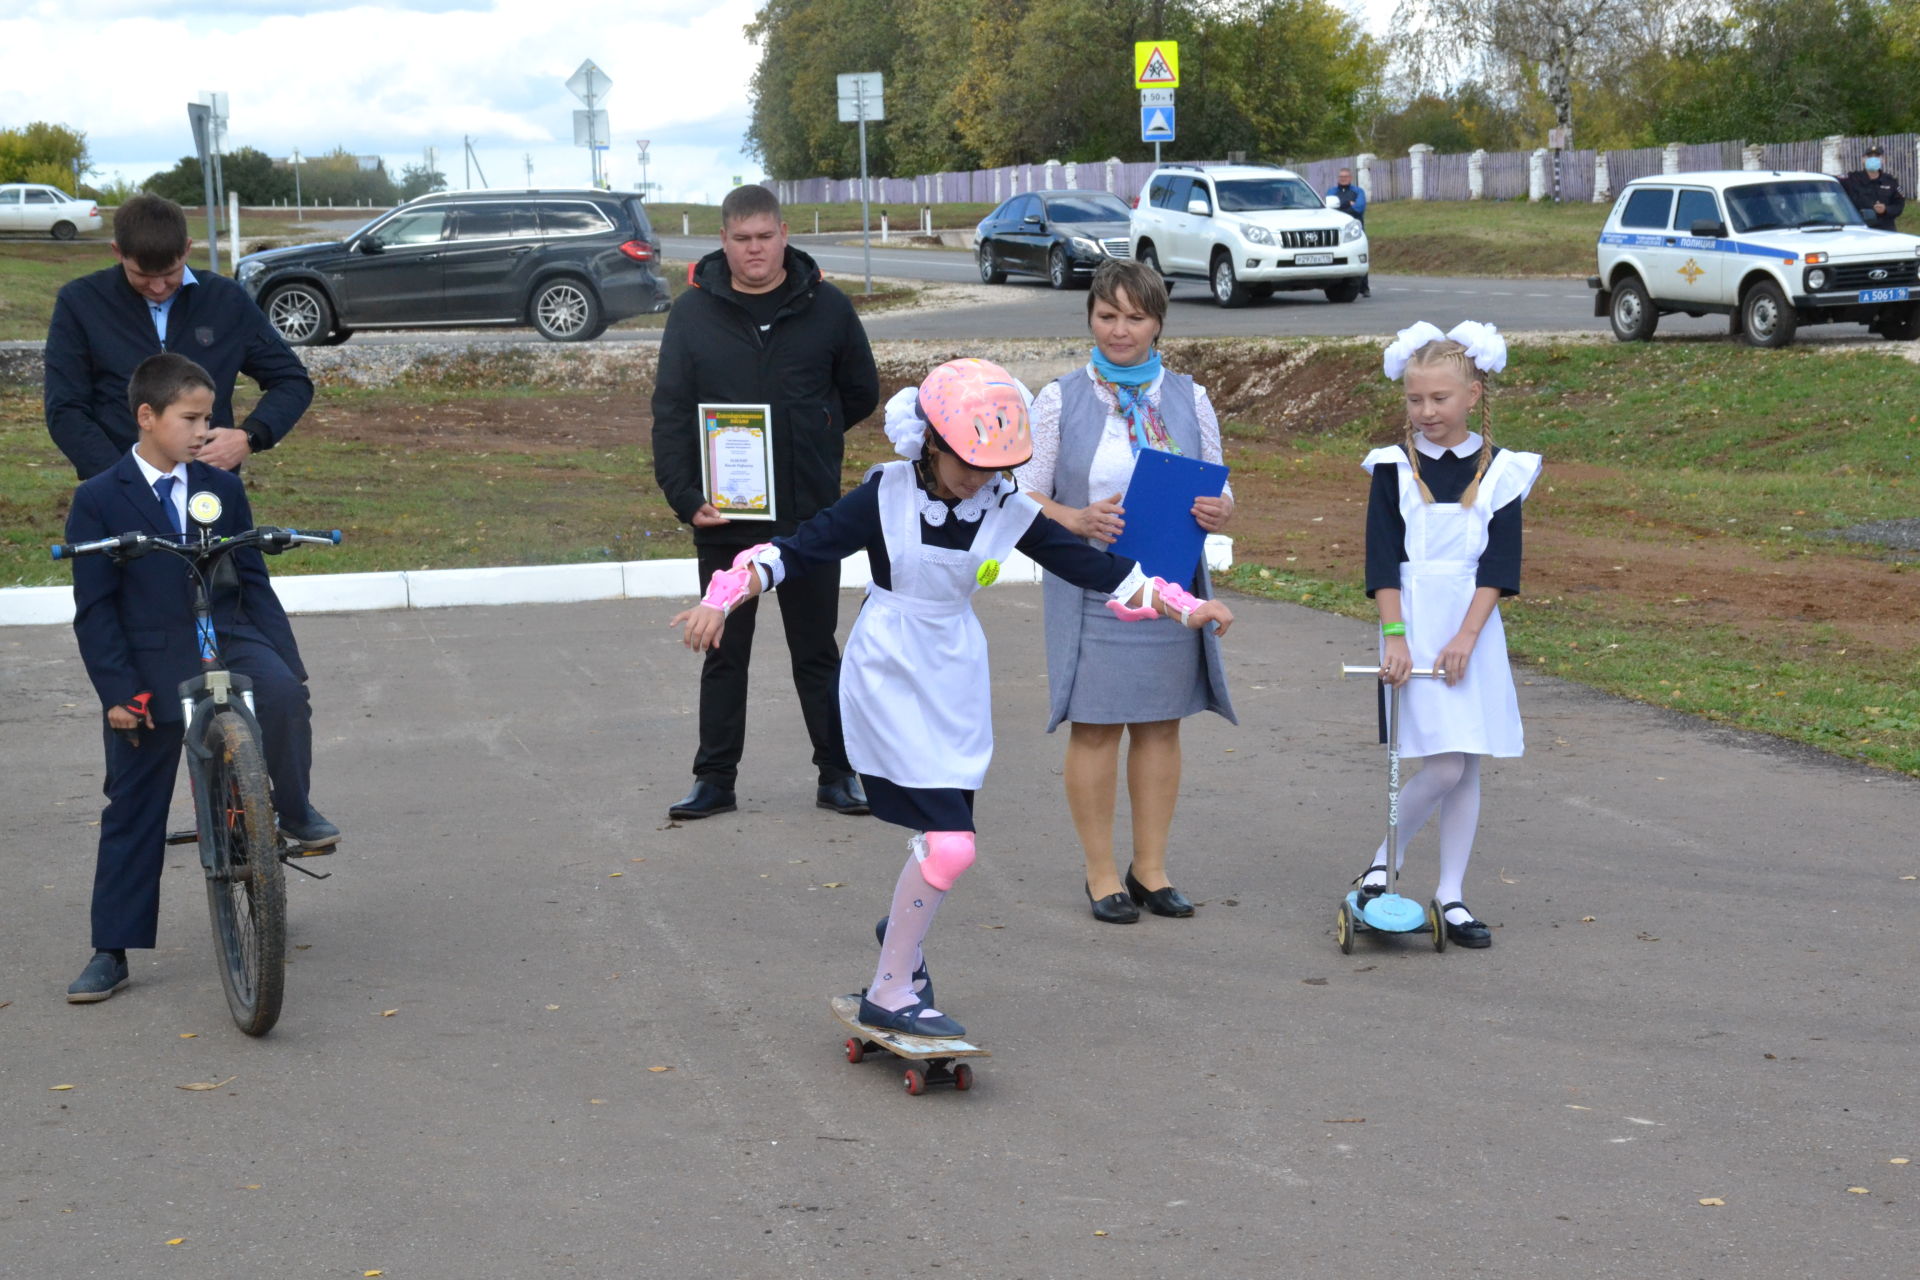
<point>1773,251</point>
<point>28,206</point>
<point>1247,230</point>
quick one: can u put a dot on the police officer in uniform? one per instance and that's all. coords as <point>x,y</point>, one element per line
<point>1875,192</point>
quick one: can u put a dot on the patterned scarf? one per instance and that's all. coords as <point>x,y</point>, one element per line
<point>1128,385</point>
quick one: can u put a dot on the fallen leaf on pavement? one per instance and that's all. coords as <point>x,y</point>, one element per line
<point>189,1035</point>
<point>1899,1160</point>
<point>1859,1191</point>
<point>595,1102</point>
<point>203,1086</point>
<point>552,1007</point>
<point>1099,1233</point>
<point>1346,1120</point>
<point>61,1088</point>
<point>834,884</point>
<point>1586,919</point>
<point>388,1013</point>
<point>615,875</point>
<point>178,1240</point>
<point>373,1273</point>
<point>659,1068</point>
<point>1713,1202</point>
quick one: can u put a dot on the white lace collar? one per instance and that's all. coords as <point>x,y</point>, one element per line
<point>934,510</point>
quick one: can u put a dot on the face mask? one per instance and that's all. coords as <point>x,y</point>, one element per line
<point>1873,164</point>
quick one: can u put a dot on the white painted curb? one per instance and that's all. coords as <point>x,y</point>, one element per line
<point>532,584</point>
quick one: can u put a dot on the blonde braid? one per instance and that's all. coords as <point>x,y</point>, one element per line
<point>1413,460</point>
<point>1486,442</point>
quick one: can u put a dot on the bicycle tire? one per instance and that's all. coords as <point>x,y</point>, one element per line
<point>246,888</point>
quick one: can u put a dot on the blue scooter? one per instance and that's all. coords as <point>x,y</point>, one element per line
<point>1388,912</point>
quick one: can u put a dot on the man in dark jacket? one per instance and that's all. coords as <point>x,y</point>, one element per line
<point>1353,201</point>
<point>761,326</point>
<point>106,323</point>
<point>1875,192</point>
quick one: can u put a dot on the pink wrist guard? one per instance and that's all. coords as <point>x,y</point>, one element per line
<point>729,587</point>
<point>1127,613</point>
<point>1179,599</point>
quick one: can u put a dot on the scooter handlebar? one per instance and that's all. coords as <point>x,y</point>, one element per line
<point>1434,673</point>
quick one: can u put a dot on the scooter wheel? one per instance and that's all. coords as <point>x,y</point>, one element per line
<point>1438,921</point>
<point>1343,929</point>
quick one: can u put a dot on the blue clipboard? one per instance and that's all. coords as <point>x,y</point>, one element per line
<point>1161,532</point>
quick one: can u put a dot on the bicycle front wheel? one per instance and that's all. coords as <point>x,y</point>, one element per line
<point>246,889</point>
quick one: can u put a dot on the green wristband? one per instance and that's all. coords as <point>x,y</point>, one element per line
<point>1393,628</point>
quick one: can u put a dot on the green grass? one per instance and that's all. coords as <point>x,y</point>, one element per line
<point>1749,456</point>
<point>704,219</point>
<point>1484,238</point>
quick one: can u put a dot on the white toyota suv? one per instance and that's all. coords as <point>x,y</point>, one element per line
<point>1247,230</point>
<point>1773,251</point>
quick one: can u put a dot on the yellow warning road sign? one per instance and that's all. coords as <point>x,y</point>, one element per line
<point>1156,64</point>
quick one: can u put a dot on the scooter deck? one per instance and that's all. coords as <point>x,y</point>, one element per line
<point>913,1048</point>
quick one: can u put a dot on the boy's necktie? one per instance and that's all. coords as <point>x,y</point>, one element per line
<point>163,489</point>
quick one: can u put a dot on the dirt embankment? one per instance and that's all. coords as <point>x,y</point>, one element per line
<point>1299,510</point>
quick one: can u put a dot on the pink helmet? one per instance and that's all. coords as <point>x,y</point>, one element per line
<point>979,411</point>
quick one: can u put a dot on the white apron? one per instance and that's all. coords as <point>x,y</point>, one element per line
<point>1481,714</point>
<point>916,699</point>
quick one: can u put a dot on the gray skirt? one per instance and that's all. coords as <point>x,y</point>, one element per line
<point>1135,672</point>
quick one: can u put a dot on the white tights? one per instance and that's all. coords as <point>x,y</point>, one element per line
<point>1449,783</point>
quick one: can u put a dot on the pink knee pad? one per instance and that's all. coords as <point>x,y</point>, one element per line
<point>948,853</point>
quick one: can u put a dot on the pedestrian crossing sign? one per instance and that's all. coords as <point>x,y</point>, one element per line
<point>1156,64</point>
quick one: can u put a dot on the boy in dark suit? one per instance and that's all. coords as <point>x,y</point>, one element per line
<point>136,631</point>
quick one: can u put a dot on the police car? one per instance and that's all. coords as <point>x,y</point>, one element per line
<point>1773,251</point>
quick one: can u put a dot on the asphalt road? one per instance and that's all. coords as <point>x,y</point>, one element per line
<point>1701,989</point>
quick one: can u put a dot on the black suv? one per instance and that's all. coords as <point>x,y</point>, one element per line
<point>569,263</point>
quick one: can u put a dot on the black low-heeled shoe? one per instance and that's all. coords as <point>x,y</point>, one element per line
<point>1115,908</point>
<point>1472,933</point>
<point>1371,891</point>
<point>1162,902</point>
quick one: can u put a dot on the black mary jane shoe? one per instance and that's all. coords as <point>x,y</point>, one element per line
<point>1368,892</point>
<point>1471,934</point>
<point>705,801</point>
<point>1162,902</point>
<point>1115,908</point>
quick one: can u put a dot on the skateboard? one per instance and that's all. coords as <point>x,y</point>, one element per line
<point>929,1059</point>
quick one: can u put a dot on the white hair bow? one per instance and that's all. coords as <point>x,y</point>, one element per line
<point>1408,341</point>
<point>1485,347</point>
<point>904,425</point>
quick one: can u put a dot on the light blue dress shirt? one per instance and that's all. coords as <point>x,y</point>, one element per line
<point>160,310</point>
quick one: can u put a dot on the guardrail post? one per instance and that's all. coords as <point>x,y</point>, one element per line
<point>1418,154</point>
<point>1477,175</point>
<point>1537,174</point>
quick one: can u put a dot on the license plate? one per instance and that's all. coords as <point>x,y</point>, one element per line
<point>1313,260</point>
<point>1885,295</point>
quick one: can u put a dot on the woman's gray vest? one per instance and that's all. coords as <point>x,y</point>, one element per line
<point>1083,417</point>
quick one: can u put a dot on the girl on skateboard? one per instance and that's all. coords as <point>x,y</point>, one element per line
<point>915,696</point>
<point>1443,545</point>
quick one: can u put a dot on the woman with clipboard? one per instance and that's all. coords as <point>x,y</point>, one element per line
<point>1090,431</point>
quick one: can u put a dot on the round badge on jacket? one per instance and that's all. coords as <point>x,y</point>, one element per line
<point>988,573</point>
<point>204,507</point>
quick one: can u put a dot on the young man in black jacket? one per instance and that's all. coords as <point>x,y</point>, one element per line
<point>106,323</point>
<point>761,326</point>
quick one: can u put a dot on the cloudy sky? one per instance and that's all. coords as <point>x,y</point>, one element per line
<point>396,77</point>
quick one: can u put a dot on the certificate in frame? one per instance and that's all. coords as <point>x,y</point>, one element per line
<point>736,460</point>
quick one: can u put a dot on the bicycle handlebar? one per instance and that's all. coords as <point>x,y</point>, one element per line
<point>137,544</point>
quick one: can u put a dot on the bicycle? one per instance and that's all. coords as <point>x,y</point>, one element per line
<point>240,847</point>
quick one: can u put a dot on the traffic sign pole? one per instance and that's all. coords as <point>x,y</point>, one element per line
<point>866,208</point>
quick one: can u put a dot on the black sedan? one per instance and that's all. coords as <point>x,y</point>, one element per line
<point>1062,235</point>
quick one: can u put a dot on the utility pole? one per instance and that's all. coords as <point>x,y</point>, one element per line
<point>297,215</point>
<point>466,147</point>
<point>529,170</point>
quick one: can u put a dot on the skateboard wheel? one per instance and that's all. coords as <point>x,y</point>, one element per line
<point>962,1077</point>
<point>855,1050</point>
<point>915,1081</point>
<point>1343,930</point>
